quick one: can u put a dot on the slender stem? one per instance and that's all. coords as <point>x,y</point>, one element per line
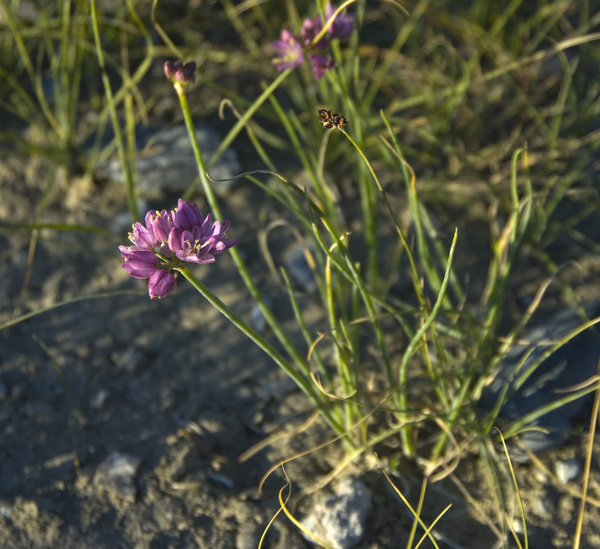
<point>239,263</point>
<point>301,380</point>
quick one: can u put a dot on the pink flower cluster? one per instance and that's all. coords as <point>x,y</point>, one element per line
<point>290,51</point>
<point>169,239</point>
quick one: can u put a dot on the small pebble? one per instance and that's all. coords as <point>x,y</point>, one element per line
<point>30,508</point>
<point>296,264</point>
<point>222,480</point>
<point>340,519</point>
<point>130,359</point>
<point>544,506</point>
<point>117,474</point>
<point>540,476</point>
<point>258,321</point>
<point>248,536</point>
<point>568,470</point>
<point>18,391</point>
<point>5,509</point>
<point>517,525</point>
<point>99,399</point>
<point>276,388</point>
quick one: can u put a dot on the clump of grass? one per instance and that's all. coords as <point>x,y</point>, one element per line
<point>464,109</point>
<point>445,342</point>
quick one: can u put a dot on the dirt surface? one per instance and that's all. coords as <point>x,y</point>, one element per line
<point>174,395</point>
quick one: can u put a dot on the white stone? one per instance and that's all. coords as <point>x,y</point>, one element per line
<point>568,470</point>
<point>340,519</point>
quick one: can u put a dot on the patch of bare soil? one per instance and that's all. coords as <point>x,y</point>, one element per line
<point>122,419</point>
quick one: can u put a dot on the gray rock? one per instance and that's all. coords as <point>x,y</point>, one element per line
<point>568,470</point>
<point>129,359</point>
<point>295,262</point>
<point>5,509</point>
<point>166,162</point>
<point>571,364</point>
<point>276,388</point>
<point>340,519</point>
<point>99,399</point>
<point>258,321</point>
<point>222,480</point>
<point>117,474</point>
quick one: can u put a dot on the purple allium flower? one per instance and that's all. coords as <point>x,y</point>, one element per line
<point>310,29</point>
<point>288,51</point>
<point>196,238</point>
<point>142,237</point>
<point>160,224</point>
<point>178,72</point>
<point>167,240</point>
<point>343,24</point>
<point>320,65</point>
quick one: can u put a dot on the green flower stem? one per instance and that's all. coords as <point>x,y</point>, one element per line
<point>323,193</point>
<point>350,270</point>
<point>239,263</point>
<point>308,338</point>
<point>300,379</point>
<point>338,357</point>
<point>187,115</point>
<point>367,198</point>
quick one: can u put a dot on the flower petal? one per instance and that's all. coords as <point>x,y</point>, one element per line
<point>161,284</point>
<point>140,263</point>
<point>187,215</point>
<point>288,52</point>
<point>142,237</point>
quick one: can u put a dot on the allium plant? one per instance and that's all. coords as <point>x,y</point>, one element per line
<point>314,40</point>
<point>168,240</point>
<point>354,293</point>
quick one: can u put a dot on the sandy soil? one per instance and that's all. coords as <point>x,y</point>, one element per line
<point>180,395</point>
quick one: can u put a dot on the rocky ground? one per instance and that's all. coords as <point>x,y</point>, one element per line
<point>122,420</point>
